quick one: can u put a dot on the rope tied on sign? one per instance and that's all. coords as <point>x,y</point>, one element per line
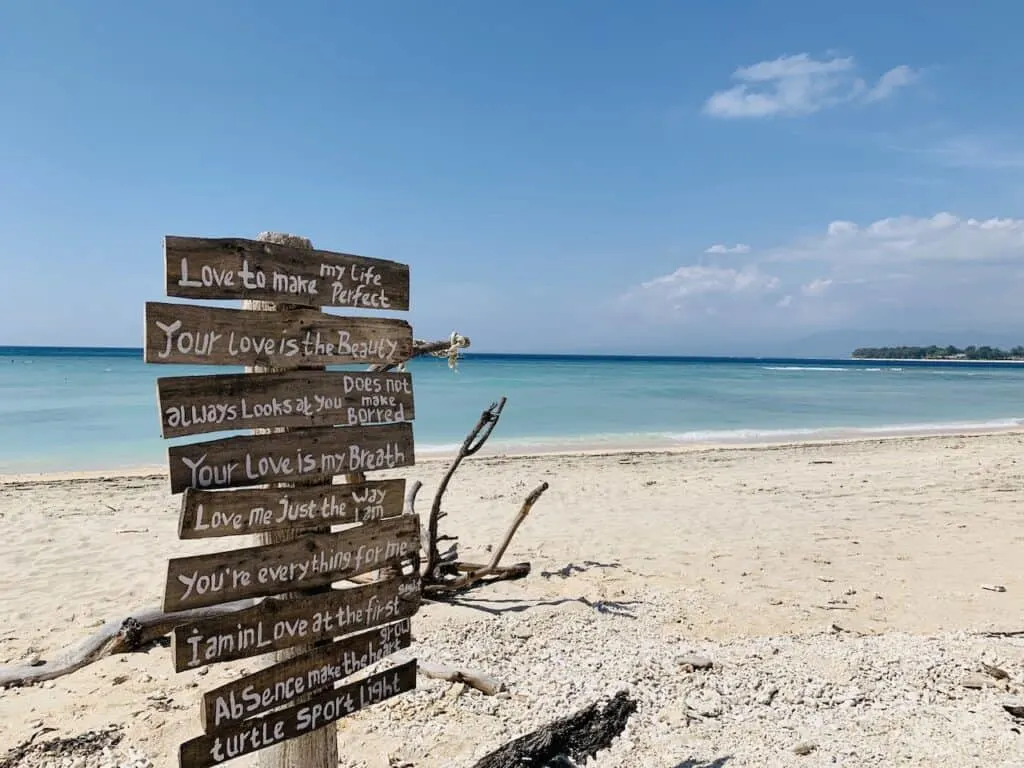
<point>456,343</point>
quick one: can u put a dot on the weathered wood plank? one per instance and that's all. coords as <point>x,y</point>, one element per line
<point>275,624</point>
<point>231,462</point>
<point>309,561</point>
<point>292,338</point>
<point>304,675</point>
<point>238,268</point>
<point>208,514</point>
<point>295,721</point>
<point>192,405</point>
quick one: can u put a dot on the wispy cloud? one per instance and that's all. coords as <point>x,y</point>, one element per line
<point>976,152</point>
<point>933,269</point>
<point>943,237</point>
<point>719,248</point>
<point>798,85</point>
<point>890,82</point>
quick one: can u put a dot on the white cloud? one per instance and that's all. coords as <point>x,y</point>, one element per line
<point>801,85</point>
<point>698,280</point>
<point>718,248</point>
<point>817,287</point>
<point>890,82</point>
<point>940,271</point>
<point>943,237</point>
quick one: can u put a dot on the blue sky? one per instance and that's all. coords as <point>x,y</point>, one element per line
<point>598,176</point>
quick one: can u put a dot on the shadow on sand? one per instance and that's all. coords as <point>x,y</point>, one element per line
<point>611,607</point>
<point>572,568</point>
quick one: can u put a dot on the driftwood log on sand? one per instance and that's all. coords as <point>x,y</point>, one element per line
<point>568,741</point>
<point>140,630</point>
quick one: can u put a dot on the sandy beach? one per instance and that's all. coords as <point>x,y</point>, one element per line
<point>838,588</point>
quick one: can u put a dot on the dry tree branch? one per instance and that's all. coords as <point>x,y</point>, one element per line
<point>484,683</point>
<point>470,578</point>
<point>474,442</point>
<point>409,508</point>
<point>142,628</point>
<point>532,499</point>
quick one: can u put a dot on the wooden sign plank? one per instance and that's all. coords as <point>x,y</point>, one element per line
<point>251,736</point>
<point>208,514</point>
<point>237,268</point>
<point>274,624</point>
<point>183,333</point>
<point>304,675</point>
<point>232,462</point>
<point>309,561</point>
<point>192,405</point>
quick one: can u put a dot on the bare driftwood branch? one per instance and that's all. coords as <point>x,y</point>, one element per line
<point>148,625</point>
<point>141,629</point>
<point>1000,633</point>
<point>474,442</point>
<point>468,579</point>
<point>410,498</point>
<point>573,739</point>
<point>532,499</point>
<point>478,680</point>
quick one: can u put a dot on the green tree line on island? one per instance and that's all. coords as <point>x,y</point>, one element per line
<point>940,353</point>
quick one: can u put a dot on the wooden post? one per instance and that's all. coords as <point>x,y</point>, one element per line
<point>318,749</point>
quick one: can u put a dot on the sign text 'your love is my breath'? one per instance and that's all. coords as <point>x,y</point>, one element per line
<point>286,456</point>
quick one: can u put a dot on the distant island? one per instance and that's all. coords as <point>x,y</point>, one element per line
<point>939,353</point>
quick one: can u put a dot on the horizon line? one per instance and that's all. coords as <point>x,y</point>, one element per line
<point>466,353</point>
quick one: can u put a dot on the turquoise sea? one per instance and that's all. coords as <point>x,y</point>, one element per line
<point>81,409</point>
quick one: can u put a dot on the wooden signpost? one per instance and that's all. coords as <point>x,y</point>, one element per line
<point>310,424</point>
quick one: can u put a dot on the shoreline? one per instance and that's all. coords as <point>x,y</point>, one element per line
<point>958,360</point>
<point>821,439</point>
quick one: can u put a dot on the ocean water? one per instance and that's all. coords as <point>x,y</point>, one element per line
<point>82,409</point>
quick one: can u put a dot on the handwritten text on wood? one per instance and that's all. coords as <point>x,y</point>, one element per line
<point>184,333</point>
<point>191,405</point>
<point>303,675</point>
<point>236,268</point>
<point>274,624</point>
<point>287,456</point>
<point>250,736</point>
<point>208,514</point>
<point>311,560</point>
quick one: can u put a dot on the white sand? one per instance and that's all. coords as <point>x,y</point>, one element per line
<point>747,555</point>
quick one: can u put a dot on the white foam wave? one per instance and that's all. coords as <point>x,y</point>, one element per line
<point>750,436</point>
<point>803,368</point>
<point>422,448</point>
<point>774,435</point>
